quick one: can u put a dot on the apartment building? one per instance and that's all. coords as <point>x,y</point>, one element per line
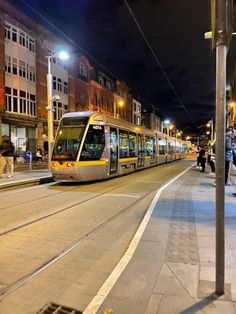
<point>78,84</point>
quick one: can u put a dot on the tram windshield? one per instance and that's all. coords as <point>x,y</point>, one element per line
<point>68,138</point>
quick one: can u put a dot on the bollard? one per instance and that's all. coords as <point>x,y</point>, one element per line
<point>30,162</point>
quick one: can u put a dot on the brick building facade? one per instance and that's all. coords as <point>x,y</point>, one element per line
<point>80,84</point>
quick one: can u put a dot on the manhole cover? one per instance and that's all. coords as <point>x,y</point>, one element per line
<point>53,308</point>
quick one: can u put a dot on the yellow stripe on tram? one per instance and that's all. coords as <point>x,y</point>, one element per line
<point>128,159</point>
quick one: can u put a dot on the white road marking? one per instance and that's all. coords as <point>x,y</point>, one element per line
<point>97,301</point>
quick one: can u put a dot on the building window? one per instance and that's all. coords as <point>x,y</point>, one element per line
<point>31,74</point>
<point>58,110</point>
<point>101,80</point>
<point>18,101</point>
<point>82,69</point>
<point>66,88</point>
<point>14,66</point>
<point>22,38</point>
<point>14,34</point>
<point>22,68</point>
<point>59,84</point>
<point>31,44</point>
<point>7,31</point>
<point>108,85</point>
<point>7,63</point>
<point>54,83</point>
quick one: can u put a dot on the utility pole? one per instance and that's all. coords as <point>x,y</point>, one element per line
<point>221,14</point>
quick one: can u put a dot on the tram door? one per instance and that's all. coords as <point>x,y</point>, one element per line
<point>113,150</point>
<point>141,157</point>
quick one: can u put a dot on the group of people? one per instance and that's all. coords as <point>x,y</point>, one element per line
<point>204,155</point>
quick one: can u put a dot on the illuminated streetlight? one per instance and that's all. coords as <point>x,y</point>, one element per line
<point>62,55</point>
<point>120,102</point>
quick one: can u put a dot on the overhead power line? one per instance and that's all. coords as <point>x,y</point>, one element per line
<point>160,65</point>
<point>68,38</point>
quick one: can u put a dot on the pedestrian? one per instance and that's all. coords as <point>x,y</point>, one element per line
<point>198,158</point>
<point>202,158</point>
<point>7,150</point>
<point>39,155</point>
<point>228,153</point>
<point>211,158</point>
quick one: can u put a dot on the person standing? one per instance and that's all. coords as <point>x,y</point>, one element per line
<point>228,153</point>
<point>7,150</point>
<point>202,157</point>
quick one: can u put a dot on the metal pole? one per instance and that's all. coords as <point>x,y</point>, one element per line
<point>50,111</point>
<point>212,131</point>
<point>220,166</point>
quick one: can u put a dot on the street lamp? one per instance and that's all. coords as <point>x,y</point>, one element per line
<point>210,124</point>
<point>120,102</point>
<point>62,55</point>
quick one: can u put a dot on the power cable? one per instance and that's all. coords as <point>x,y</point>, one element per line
<point>69,39</point>
<point>159,64</point>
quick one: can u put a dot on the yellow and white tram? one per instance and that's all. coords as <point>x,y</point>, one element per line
<point>94,146</point>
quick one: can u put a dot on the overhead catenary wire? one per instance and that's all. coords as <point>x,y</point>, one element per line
<point>159,64</point>
<point>75,44</point>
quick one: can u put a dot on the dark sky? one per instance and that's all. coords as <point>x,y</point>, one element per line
<point>175,31</point>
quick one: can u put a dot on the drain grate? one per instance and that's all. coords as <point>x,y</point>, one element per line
<point>53,308</point>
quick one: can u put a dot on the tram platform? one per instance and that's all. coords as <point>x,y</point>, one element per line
<point>172,269</point>
<point>23,176</point>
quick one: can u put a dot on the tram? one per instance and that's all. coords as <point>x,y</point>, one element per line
<point>94,146</point>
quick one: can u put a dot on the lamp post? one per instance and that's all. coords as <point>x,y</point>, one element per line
<point>118,101</point>
<point>62,55</point>
<point>49,108</point>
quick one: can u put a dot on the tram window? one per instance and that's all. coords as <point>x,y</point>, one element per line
<point>132,145</point>
<point>124,144</point>
<point>149,146</point>
<point>67,143</point>
<point>162,146</point>
<point>94,143</point>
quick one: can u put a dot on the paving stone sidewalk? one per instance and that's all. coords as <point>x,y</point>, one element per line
<point>173,268</point>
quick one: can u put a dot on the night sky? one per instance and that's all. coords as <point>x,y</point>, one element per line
<point>178,81</point>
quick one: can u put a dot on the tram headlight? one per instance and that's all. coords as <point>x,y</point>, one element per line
<point>53,164</point>
<point>70,164</point>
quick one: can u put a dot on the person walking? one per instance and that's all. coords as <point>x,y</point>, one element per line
<point>228,153</point>
<point>7,150</point>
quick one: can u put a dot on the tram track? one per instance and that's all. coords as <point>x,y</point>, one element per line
<point>38,219</point>
<point>7,291</point>
<point>28,223</point>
